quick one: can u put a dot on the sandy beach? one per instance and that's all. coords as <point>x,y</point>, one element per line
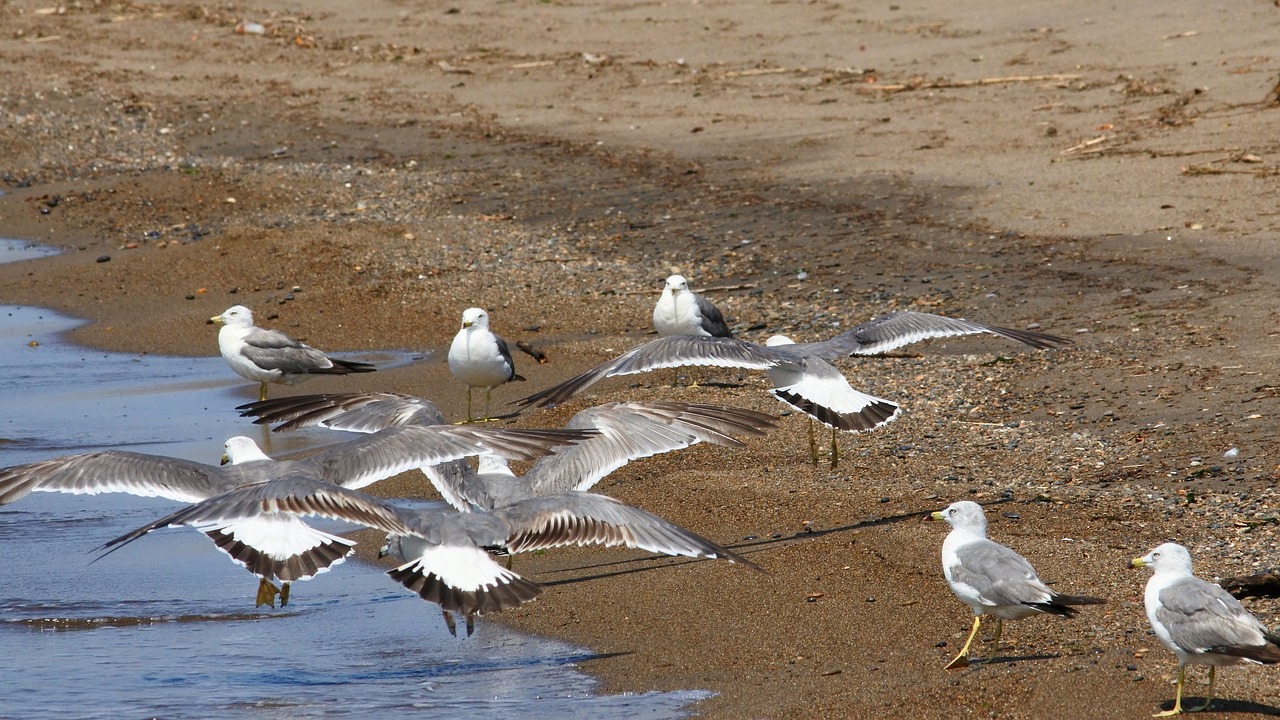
<point>361,173</point>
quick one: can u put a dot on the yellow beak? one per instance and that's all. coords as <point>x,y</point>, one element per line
<point>215,319</point>
<point>1138,562</point>
<point>937,515</point>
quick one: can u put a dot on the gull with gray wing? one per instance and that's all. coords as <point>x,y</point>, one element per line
<point>624,432</point>
<point>480,359</point>
<point>269,356</point>
<point>1201,623</point>
<point>447,559</point>
<point>992,579</point>
<point>274,548</point>
<point>807,383</point>
<point>802,373</point>
<point>681,311</point>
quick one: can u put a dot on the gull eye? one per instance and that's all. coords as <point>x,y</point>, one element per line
<point>952,511</point>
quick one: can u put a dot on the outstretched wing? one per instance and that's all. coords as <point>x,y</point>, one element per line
<point>895,330</point>
<point>666,352</point>
<point>578,518</point>
<point>633,430</point>
<point>389,452</point>
<point>353,412</point>
<point>114,471</point>
<point>298,495</point>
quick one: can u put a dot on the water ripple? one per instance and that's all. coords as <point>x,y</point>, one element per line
<point>166,627</point>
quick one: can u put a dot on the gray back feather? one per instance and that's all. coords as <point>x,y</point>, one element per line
<point>1200,615</point>
<point>1002,576</point>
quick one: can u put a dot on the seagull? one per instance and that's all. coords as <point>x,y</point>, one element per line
<point>807,383</point>
<point>802,373</point>
<point>680,311</point>
<point>446,553</point>
<point>842,408</point>
<point>479,359</point>
<point>1199,621</point>
<point>992,579</point>
<point>267,356</point>
<point>279,548</point>
<point>625,431</point>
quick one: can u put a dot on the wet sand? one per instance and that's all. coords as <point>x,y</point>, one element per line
<point>360,175</point>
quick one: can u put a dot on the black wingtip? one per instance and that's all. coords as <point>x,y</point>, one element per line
<point>513,592</point>
<point>353,366</point>
<point>1037,340</point>
<point>868,418</point>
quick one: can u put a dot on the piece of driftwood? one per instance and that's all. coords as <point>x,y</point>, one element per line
<point>1263,584</point>
<point>977,82</point>
<point>532,351</point>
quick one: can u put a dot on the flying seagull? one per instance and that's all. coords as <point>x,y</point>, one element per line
<point>1199,621</point>
<point>625,432</point>
<point>808,383</point>
<point>267,356</point>
<point>273,548</point>
<point>992,579</point>
<point>681,311</point>
<point>446,553</point>
<point>479,359</point>
<point>802,373</point>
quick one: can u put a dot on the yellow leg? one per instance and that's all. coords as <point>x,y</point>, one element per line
<point>284,594</point>
<point>995,643</point>
<point>266,594</point>
<point>469,418</point>
<point>262,392</point>
<point>835,450</point>
<point>1177,699</point>
<point>813,444</point>
<point>962,660</point>
<point>1208,700</point>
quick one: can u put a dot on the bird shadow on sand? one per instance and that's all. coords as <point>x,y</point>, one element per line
<point>750,546</point>
<point>977,663</point>
<point>588,657</point>
<point>810,533</point>
<point>630,566</point>
<point>1223,706</point>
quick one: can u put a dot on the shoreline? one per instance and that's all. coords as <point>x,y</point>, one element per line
<point>395,175</point>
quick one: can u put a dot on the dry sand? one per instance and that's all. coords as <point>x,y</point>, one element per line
<point>359,173</point>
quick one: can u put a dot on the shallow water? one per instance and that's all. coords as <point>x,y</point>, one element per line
<point>166,626</point>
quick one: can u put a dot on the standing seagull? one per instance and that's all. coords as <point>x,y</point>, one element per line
<point>279,548</point>
<point>681,311</point>
<point>1199,621</point>
<point>267,356</point>
<point>992,579</point>
<point>478,358</point>
<point>447,552</point>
